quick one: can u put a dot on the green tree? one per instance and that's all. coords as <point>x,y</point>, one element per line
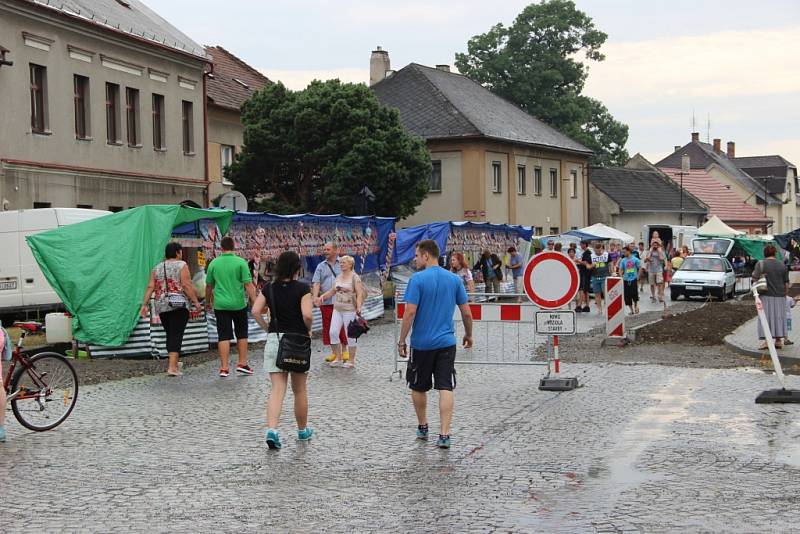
<point>533,64</point>
<point>313,150</point>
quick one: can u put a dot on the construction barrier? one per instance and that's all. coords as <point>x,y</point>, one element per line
<point>614,308</point>
<point>493,324</point>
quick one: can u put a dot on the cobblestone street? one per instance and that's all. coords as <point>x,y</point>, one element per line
<point>636,448</point>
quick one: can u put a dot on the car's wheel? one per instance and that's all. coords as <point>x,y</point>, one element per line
<point>722,294</point>
<point>674,294</point>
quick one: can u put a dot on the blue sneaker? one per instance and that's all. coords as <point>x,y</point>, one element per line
<point>2,434</point>
<point>422,432</point>
<point>443,442</point>
<point>273,440</point>
<point>305,434</point>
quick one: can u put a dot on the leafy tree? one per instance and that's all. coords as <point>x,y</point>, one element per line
<point>313,151</point>
<point>533,64</point>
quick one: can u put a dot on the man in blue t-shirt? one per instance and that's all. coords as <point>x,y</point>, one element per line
<point>515,264</point>
<point>431,298</point>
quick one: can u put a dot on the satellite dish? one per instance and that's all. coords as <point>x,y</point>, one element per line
<point>234,201</point>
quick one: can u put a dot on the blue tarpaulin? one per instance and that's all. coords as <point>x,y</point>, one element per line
<point>408,238</point>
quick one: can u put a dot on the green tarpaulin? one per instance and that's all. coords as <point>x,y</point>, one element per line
<point>755,247</point>
<point>100,268</point>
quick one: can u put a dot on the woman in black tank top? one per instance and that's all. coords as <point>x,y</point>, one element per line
<point>293,307</point>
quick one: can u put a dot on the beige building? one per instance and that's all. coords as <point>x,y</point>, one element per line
<point>491,160</point>
<point>102,106</point>
<point>758,181</point>
<point>229,86</point>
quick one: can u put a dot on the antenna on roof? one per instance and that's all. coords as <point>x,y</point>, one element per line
<point>694,122</point>
<point>708,129</point>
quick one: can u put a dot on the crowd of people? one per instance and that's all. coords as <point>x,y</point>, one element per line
<point>287,303</point>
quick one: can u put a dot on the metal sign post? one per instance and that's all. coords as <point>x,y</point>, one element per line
<point>551,282</point>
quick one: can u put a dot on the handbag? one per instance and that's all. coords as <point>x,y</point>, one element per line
<point>294,350</point>
<point>175,300</point>
<point>357,327</point>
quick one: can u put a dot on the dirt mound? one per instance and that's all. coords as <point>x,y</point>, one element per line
<point>707,325</point>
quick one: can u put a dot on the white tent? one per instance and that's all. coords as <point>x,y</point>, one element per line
<point>716,227</point>
<point>602,231</point>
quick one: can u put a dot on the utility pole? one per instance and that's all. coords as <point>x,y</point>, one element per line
<point>685,167</point>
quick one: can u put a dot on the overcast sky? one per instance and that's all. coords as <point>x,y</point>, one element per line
<point>735,60</point>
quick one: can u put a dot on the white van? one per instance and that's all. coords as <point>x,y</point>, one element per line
<point>672,235</point>
<point>22,284</point>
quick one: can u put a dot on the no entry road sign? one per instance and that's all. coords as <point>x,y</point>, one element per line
<point>551,280</point>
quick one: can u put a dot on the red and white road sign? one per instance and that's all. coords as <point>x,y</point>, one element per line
<point>615,311</point>
<point>551,280</point>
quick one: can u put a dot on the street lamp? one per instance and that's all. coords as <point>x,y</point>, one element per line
<point>685,166</point>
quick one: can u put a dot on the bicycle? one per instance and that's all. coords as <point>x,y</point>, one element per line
<point>43,390</point>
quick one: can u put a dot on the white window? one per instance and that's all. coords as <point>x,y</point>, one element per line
<point>573,184</point>
<point>226,159</point>
<point>436,177</point>
<point>553,183</point>
<point>521,179</point>
<point>497,177</point>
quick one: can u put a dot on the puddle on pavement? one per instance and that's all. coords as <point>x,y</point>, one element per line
<point>650,426</point>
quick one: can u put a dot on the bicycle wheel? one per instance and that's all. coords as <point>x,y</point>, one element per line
<point>46,393</point>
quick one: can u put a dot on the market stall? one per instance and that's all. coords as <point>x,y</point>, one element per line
<point>261,237</point>
<point>100,268</point>
<point>601,232</point>
<point>468,238</point>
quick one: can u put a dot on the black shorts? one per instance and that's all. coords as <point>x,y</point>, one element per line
<point>585,281</point>
<point>631,292</point>
<point>174,323</point>
<point>226,318</point>
<point>432,368</point>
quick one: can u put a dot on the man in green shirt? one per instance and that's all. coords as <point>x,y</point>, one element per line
<point>227,280</point>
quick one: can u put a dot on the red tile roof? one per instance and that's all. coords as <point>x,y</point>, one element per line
<point>721,201</point>
<point>234,80</point>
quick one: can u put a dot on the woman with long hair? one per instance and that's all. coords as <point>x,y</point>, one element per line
<point>459,266</point>
<point>173,288</point>
<point>293,307</point>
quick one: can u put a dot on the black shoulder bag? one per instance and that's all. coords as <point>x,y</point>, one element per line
<point>294,350</point>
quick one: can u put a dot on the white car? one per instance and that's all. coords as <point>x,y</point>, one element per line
<point>702,275</point>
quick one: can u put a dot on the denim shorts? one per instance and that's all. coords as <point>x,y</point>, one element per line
<point>598,285</point>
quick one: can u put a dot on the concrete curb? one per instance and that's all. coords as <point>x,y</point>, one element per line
<point>755,353</point>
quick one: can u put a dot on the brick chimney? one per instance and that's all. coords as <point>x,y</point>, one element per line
<point>445,68</point>
<point>731,149</point>
<point>695,137</point>
<point>378,65</point>
<point>677,147</point>
<point>718,146</point>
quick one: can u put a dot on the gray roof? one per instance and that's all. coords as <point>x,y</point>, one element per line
<point>130,17</point>
<point>435,104</point>
<point>702,156</point>
<point>636,190</point>
<point>773,169</point>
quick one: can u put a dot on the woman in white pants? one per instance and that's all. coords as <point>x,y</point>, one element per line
<point>348,296</point>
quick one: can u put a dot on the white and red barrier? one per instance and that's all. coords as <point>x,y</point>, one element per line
<point>615,308</point>
<point>491,312</point>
